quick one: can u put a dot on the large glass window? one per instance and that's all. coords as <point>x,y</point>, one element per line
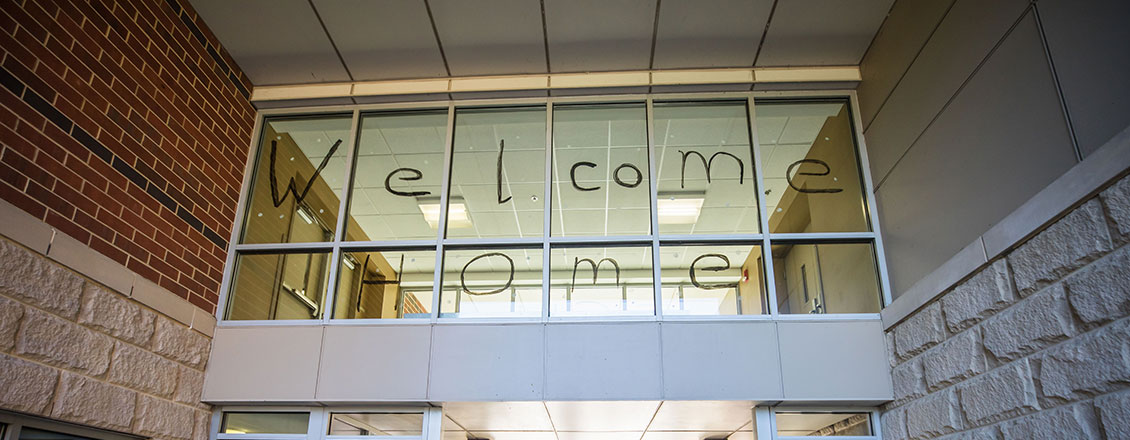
<point>655,207</point>
<point>265,423</point>
<point>823,424</point>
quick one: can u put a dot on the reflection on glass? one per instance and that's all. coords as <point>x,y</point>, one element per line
<point>826,278</point>
<point>812,180</point>
<point>491,283</point>
<point>607,281</point>
<point>396,184</point>
<point>376,424</point>
<point>712,280</point>
<point>264,423</point>
<point>600,170</point>
<point>823,424</point>
<point>498,173</point>
<point>304,158</point>
<point>385,284</point>
<point>278,286</point>
<point>705,168</point>
<point>36,434</point>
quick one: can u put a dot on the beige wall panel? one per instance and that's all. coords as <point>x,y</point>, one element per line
<point>603,362</point>
<point>844,360</point>
<point>378,363</point>
<point>263,364</point>
<point>487,362</point>
<point>732,360</point>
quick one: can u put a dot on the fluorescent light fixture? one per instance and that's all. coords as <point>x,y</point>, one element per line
<point>456,214</point>
<point>305,215</point>
<point>679,209</point>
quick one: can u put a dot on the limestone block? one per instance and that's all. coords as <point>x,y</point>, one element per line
<point>143,370</point>
<point>35,279</point>
<point>180,343</point>
<point>957,359</point>
<point>1117,201</point>
<point>1003,393</point>
<point>891,358</point>
<point>63,343</point>
<point>894,424</point>
<point>1066,245</point>
<point>934,415</point>
<point>10,314</point>
<point>908,381</point>
<point>1032,324</point>
<point>922,330</point>
<point>162,418</point>
<point>1069,422</point>
<point>26,386</point>
<point>987,292</point>
<point>201,425</point>
<point>1114,414</point>
<point>1088,365</point>
<point>115,314</point>
<point>92,402</point>
<point>1101,292</point>
<point>190,383</point>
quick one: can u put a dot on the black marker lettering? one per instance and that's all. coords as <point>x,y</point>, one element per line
<point>711,286</point>
<point>616,176</point>
<point>595,267</point>
<point>291,187</point>
<point>707,164</point>
<point>416,175</point>
<point>827,169</point>
<point>463,274</point>
<point>501,148</point>
<point>573,176</point>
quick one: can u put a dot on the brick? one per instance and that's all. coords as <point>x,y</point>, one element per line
<point>1065,423</point>
<point>26,386</point>
<point>1086,366</point>
<point>142,370</point>
<point>1116,198</point>
<point>957,359</point>
<point>63,343</point>
<point>934,415</point>
<point>190,383</point>
<point>1114,414</point>
<point>180,343</point>
<point>1032,324</point>
<point>164,419</point>
<point>117,315</point>
<point>10,314</point>
<point>987,292</point>
<point>1076,239</point>
<point>1003,393</point>
<point>921,331</point>
<point>93,402</point>
<point>32,278</point>
<point>894,424</point>
<point>908,381</point>
<point>1100,293</point>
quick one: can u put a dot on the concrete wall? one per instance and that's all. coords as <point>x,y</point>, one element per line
<point>1032,346</point>
<point>969,108</point>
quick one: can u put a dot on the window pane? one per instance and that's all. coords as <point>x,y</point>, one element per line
<point>264,423</point>
<point>712,280</point>
<point>601,281</point>
<point>498,173</point>
<point>705,168</point>
<point>385,284</point>
<point>372,424</point>
<point>491,283</point>
<point>304,158</point>
<point>808,155</point>
<point>279,286</point>
<point>37,434</point>
<point>600,167</point>
<point>826,278</point>
<point>823,424</point>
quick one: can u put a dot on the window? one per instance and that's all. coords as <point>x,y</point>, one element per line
<point>823,424</point>
<point>635,206</point>
<point>338,423</point>
<point>19,426</point>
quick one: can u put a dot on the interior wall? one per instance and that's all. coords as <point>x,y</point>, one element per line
<point>970,108</point>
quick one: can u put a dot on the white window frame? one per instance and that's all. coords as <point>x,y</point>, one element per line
<point>765,422</point>
<point>762,238</point>
<point>319,422</point>
<point>13,423</point>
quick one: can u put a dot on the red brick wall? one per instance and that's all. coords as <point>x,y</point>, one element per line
<point>125,125</point>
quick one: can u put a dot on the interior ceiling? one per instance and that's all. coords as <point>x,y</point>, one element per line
<point>312,41</point>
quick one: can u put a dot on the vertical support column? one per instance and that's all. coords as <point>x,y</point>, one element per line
<point>763,423</point>
<point>547,216</point>
<point>762,209</point>
<point>433,423</point>
<point>444,194</point>
<point>656,273</point>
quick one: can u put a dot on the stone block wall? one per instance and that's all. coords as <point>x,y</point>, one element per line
<point>1034,345</point>
<point>74,350</point>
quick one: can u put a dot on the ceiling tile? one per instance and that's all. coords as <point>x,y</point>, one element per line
<point>599,435</point>
<point>725,34</point>
<point>390,39</point>
<point>702,415</point>
<point>274,41</point>
<point>490,37</point>
<point>599,35</point>
<point>602,415</point>
<point>516,435</point>
<point>499,416</point>
<point>821,32</point>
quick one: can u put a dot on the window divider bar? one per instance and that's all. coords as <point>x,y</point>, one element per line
<point>763,210</point>
<point>547,217</point>
<point>869,196</point>
<point>330,293</point>
<point>653,181</point>
<point>493,242</point>
<point>825,236</point>
<point>445,194</point>
<point>323,246</point>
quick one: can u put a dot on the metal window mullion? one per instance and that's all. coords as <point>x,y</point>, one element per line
<point>868,194</point>
<point>342,215</point>
<point>547,218</point>
<point>445,194</point>
<point>762,209</point>
<point>238,222</point>
<point>653,180</point>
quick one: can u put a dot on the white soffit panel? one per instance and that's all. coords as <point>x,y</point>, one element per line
<point>821,32</point>
<point>602,415</point>
<point>499,416</point>
<point>490,37</point>
<point>274,41</point>
<point>726,416</point>
<point>722,33</point>
<point>599,35</point>
<point>390,39</point>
